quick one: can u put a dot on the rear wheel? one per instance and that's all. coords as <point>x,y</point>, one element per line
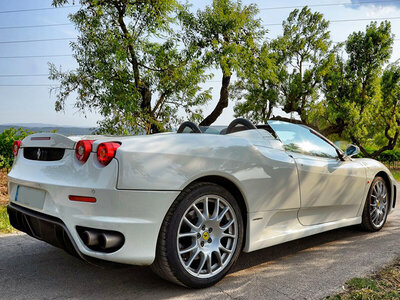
<point>376,205</point>
<point>201,237</point>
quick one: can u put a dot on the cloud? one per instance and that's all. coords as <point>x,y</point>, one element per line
<point>377,8</point>
<point>374,3</point>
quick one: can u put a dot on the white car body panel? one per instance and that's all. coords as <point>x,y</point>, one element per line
<point>331,189</point>
<point>135,191</point>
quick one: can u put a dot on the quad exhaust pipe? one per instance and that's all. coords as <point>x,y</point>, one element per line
<point>90,238</point>
<point>102,240</point>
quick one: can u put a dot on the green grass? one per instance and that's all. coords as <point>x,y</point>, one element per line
<point>383,285</point>
<point>5,226</point>
<point>396,174</point>
<point>362,283</point>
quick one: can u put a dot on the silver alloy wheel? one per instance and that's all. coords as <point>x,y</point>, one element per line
<point>207,236</point>
<point>379,204</point>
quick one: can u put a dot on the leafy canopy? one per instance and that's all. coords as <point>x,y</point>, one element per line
<point>133,68</point>
<point>225,33</point>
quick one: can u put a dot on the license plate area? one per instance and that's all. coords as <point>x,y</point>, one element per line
<point>30,197</point>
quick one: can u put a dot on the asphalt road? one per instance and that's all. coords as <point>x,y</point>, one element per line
<point>310,268</point>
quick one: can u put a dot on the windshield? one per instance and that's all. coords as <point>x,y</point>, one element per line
<point>213,129</point>
<point>300,139</point>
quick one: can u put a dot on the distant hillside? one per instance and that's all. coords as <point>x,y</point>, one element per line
<point>67,130</point>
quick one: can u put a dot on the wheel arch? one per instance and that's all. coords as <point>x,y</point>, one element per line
<point>386,177</point>
<point>234,190</point>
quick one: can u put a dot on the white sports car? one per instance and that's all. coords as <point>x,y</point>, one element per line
<point>188,203</point>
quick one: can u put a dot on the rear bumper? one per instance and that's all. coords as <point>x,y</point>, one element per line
<point>43,227</point>
<point>137,215</point>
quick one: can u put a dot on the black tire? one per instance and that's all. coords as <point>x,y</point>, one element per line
<point>367,222</point>
<point>167,263</point>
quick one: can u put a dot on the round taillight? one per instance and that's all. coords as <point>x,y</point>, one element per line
<point>106,152</point>
<point>15,147</point>
<point>83,149</point>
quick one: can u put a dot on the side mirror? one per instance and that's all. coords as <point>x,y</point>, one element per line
<point>352,150</point>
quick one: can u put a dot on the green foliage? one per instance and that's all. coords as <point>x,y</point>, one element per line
<point>7,138</point>
<point>360,97</point>
<point>133,68</point>
<point>286,72</point>
<point>256,90</point>
<point>226,34</point>
<point>304,58</point>
<point>396,174</point>
<point>353,98</point>
<point>5,226</point>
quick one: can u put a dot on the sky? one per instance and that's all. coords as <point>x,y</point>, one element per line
<point>27,99</point>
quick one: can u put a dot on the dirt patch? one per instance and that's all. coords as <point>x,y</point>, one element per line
<point>384,284</point>
<point>3,188</point>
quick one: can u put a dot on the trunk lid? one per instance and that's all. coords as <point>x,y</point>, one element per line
<point>54,140</point>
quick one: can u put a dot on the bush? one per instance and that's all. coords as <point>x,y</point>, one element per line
<point>7,138</point>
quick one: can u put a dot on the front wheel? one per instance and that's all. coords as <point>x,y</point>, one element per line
<point>376,206</point>
<point>201,237</point>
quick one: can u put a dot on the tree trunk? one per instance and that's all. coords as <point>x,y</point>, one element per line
<point>390,146</point>
<point>336,128</point>
<point>222,103</point>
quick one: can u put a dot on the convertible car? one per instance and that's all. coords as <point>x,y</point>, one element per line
<point>187,203</point>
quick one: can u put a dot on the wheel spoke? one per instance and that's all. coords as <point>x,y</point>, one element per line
<point>216,209</point>
<point>375,218</point>
<point>209,267</point>
<point>376,189</point>
<point>222,214</point>
<point>189,249</point>
<point>225,249</point>
<point>187,234</point>
<point>219,257</point>
<point>202,263</point>
<point>228,235</point>
<point>227,225</point>
<point>194,227</point>
<point>199,213</point>
<point>206,212</point>
<point>191,259</point>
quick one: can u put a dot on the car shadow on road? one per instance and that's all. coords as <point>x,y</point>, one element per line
<point>252,259</point>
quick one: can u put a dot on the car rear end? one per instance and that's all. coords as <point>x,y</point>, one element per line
<point>63,190</point>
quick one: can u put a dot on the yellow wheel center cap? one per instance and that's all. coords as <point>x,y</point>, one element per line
<point>205,236</point>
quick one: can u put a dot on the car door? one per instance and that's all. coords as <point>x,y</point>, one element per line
<point>331,189</point>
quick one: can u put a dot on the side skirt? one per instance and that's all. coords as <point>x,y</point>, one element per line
<point>272,228</point>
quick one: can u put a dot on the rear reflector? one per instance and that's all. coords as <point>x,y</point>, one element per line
<point>15,147</point>
<point>40,138</point>
<point>82,198</point>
